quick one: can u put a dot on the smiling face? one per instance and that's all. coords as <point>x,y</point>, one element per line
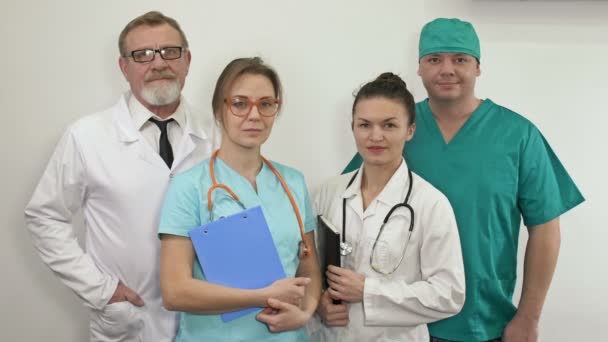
<point>449,76</point>
<point>381,129</point>
<point>252,130</point>
<point>158,82</point>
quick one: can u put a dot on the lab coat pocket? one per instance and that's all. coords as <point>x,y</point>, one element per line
<point>117,322</point>
<point>395,240</point>
<point>380,256</point>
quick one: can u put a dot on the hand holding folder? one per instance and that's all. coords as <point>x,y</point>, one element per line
<point>329,248</point>
<point>238,251</point>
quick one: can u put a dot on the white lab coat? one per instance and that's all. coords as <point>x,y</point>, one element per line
<point>429,285</point>
<point>104,167</point>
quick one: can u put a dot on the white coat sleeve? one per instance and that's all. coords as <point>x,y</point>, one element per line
<point>60,193</point>
<point>441,292</point>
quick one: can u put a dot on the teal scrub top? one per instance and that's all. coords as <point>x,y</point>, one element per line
<point>497,169</point>
<point>185,207</point>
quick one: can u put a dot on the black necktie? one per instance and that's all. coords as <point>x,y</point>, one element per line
<point>164,146</point>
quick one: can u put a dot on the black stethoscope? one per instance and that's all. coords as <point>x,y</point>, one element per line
<point>346,248</point>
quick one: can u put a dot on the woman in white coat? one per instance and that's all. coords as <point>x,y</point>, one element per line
<point>398,276</point>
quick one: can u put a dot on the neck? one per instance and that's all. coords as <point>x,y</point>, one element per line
<point>163,111</point>
<point>375,177</point>
<point>247,162</point>
<point>455,110</point>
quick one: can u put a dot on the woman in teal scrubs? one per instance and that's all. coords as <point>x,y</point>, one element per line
<point>246,101</point>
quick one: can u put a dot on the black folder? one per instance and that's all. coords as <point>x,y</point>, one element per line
<point>329,248</point>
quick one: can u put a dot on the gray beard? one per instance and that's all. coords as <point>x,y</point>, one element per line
<point>162,95</point>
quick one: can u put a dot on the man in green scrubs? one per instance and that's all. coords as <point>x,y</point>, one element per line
<point>496,168</point>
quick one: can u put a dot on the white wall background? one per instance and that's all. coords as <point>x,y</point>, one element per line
<point>546,60</point>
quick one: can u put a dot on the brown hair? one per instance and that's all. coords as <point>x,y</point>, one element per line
<point>239,67</point>
<point>152,18</point>
<point>389,86</point>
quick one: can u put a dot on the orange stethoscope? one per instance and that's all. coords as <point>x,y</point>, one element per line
<point>216,185</point>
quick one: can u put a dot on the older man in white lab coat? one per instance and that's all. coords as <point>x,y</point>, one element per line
<point>115,166</point>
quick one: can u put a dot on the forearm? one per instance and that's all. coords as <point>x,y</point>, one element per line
<point>309,268</point>
<point>182,292</point>
<point>540,261</point>
<point>397,303</point>
<point>197,296</point>
<point>286,316</point>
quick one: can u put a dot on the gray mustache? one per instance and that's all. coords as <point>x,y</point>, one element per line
<point>160,75</point>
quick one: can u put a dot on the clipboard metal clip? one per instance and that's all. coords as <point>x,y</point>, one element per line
<point>236,199</point>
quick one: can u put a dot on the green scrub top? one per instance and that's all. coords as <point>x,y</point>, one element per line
<point>497,169</point>
<point>185,207</point>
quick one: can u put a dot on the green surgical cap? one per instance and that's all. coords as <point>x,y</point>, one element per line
<point>448,36</point>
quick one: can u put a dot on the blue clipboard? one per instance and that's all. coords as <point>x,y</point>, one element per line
<point>238,251</point>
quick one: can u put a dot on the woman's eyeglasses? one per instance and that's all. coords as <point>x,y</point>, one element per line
<point>241,106</point>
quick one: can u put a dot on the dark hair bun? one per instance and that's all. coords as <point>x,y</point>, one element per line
<point>389,86</point>
<point>389,77</point>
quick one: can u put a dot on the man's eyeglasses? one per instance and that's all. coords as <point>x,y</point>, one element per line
<point>147,55</point>
<point>241,106</point>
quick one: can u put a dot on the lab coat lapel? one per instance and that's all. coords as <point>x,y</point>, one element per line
<point>352,194</point>
<point>130,136</point>
<point>194,134</point>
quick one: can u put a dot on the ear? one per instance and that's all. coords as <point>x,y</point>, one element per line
<point>122,64</point>
<point>188,59</point>
<point>418,70</point>
<point>352,125</point>
<point>410,132</point>
<point>478,71</point>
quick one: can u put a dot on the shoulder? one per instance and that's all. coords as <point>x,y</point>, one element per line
<point>91,129</point>
<point>334,186</point>
<point>339,181</point>
<point>202,168</point>
<point>91,123</point>
<point>329,194</point>
<point>422,105</point>
<point>508,116</point>
<point>291,175</point>
<point>515,127</point>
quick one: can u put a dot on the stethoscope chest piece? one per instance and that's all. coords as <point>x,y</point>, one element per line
<point>345,248</point>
